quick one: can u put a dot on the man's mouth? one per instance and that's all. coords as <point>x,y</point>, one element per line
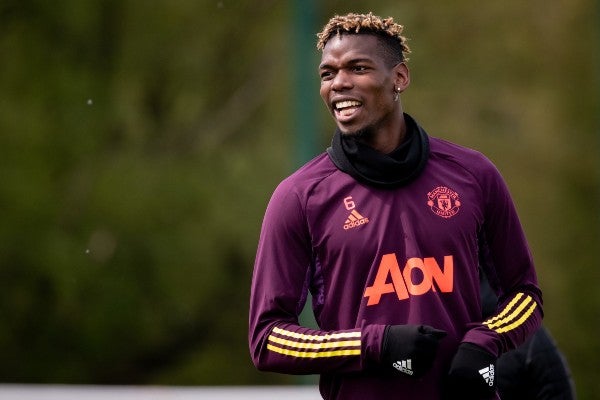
<point>346,108</point>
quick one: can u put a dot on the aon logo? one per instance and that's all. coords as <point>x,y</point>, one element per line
<point>417,277</point>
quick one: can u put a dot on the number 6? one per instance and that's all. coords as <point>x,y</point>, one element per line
<point>349,203</point>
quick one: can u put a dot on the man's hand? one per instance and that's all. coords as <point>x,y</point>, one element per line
<point>472,374</point>
<point>410,349</point>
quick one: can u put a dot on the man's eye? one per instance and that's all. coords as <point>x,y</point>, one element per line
<point>360,68</point>
<point>326,75</point>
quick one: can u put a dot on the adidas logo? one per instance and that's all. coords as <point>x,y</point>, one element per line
<point>488,374</point>
<point>404,366</point>
<point>354,220</point>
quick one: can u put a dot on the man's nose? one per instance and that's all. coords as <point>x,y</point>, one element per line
<point>341,81</point>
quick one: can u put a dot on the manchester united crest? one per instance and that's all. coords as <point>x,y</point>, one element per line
<point>443,201</point>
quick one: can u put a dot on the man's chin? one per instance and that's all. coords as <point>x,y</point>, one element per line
<point>358,134</point>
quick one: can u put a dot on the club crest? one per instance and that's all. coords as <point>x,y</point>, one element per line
<point>443,201</point>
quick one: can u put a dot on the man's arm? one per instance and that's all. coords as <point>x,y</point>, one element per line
<point>278,293</point>
<point>505,256</point>
<point>507,261</point>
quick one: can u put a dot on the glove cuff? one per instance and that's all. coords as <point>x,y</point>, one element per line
<point>476,349</point>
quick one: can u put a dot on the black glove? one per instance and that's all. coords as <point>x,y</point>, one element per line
<point>410,349</point>
<point>472,374</point>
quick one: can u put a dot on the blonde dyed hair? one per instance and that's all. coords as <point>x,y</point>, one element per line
<point>365,23</point>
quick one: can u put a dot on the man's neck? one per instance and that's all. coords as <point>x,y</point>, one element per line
<point>389,138</point>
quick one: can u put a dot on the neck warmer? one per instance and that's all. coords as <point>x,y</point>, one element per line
<point>367,165</point>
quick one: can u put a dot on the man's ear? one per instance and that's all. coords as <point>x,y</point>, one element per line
<point>401,76</point>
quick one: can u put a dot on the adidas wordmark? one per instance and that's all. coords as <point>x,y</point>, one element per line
<point>355,219</point>
<point>404,366</point>
<point>488,374</point>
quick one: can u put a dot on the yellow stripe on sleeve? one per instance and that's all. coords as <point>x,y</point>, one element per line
<point>297,344</point>
<point>314,354</point>
<point>512,315</point>
<point>331,336</point>
<point>317,346</point>
<point>520,321</point>
<point>508,307</point>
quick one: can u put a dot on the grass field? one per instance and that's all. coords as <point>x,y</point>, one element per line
<point>68,392</point>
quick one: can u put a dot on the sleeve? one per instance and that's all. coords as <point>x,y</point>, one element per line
<point>278,293</point>
<point>507,260</point>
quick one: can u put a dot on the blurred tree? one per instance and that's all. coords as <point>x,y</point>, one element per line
<point>130,142</point>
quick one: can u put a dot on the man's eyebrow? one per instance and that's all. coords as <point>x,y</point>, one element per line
<point>352,61</point>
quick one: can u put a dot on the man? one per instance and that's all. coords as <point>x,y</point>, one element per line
<point>387,230</point>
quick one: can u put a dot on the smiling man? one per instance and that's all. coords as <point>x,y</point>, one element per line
<point>387,229</point>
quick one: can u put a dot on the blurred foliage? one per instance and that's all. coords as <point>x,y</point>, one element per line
<point>140,142</point>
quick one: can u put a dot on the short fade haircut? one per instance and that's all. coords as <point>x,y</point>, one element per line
<point>390,33</point>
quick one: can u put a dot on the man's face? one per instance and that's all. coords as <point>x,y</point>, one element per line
<point>356,84</point>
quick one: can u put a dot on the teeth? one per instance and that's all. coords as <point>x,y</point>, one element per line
<point>347,103</point>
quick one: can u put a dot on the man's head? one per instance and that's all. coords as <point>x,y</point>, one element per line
<point>392,43</point>
<point>362,72</point>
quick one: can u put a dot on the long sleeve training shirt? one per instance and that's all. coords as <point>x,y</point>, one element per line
<point>373,257</point>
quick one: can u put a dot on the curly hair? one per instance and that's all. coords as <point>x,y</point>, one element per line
<point>386,29</point>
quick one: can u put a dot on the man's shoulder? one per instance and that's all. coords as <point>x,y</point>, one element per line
<point>298,186</point>
<point>445,147</point>
<point>465,156</point>
<point>311,172</point>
